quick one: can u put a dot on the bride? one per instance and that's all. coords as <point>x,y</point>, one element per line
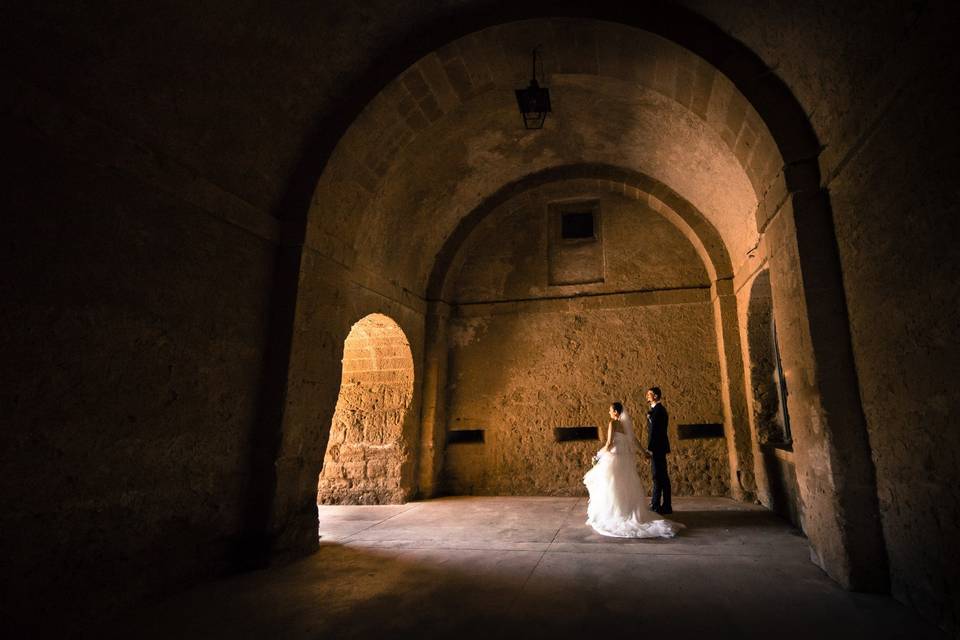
<point>617,505</point>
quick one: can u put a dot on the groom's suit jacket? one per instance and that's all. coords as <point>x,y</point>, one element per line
<point>657,420</point>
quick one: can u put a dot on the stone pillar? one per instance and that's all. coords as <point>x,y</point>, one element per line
<point>256,542</point>
<point>735,418</point>
<point>308,403</point>
<point>433,422</point>
<point>835,472</point>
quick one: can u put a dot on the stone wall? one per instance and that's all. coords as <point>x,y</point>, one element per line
<point>133,344</point>
<point>520,375</point>
<point>366,450</point>
<point>877,87</point>
<point>781,475</point>
<point>523,363</point>
<point>896,214</point>
<point>508,255</point>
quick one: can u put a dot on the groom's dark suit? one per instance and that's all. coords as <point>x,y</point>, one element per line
<point>659,446</point>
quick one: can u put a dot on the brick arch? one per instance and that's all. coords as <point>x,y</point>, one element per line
<point>773,101</point>
<point>497,59</point>
<point>671,205</point>
<point>359,188</point>
<point>792,215</point>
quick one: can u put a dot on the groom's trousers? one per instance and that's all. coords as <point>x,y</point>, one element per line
<point>661,482</point>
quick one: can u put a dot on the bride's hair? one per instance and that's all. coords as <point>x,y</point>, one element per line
<point>617,406</point>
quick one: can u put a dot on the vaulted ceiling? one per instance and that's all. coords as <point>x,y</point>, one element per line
<point>446,135</point>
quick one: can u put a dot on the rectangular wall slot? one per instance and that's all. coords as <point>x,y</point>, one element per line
<point>698,431</point>
<point>465,436</point>
<point>576,225</point>
<point>568,434</point>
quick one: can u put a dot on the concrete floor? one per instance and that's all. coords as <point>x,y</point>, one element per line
<point>529,567</point>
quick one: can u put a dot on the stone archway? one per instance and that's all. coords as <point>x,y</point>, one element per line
<point>537,322</point>
<point>756,143</point>
<point>709,253</point>
<point>366,452</point>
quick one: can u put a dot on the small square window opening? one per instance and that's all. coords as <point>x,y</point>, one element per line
<point>577,225</point>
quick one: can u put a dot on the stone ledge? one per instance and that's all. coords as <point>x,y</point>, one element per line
<point>616,300</point>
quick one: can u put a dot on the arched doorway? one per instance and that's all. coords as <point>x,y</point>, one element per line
<point>680,83</point>
<point>366,453</point>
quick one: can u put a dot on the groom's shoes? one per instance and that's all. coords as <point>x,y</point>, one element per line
<point>653,508</point>
<point>664,511</point>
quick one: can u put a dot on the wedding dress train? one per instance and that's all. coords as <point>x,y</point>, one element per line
<point>618,503</point>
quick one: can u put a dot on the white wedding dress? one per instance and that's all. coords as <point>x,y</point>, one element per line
<point>618,503</point>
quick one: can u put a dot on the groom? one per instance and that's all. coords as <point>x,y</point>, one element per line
<point>657,449</point>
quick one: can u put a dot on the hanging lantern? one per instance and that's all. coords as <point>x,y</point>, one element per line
<point>534,101</point>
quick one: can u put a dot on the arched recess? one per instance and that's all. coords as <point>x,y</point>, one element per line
<point>366,452</point>
<point>595,179</point>
<point>633,184</point>
<point>766,372</point>
<point>791,213</point>
<point>767,395</point>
